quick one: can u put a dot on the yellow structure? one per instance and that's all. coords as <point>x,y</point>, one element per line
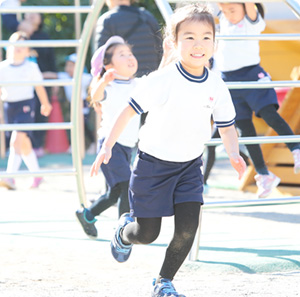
<point>280,57</point>
<point>282,60</point>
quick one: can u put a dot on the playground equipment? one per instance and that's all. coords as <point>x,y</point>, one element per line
<point>82,43</point>
<point>273,149</point>
<point>280,58</point>
<point>277,156</point>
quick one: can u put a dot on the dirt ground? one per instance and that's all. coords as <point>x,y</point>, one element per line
<point>44,253</point>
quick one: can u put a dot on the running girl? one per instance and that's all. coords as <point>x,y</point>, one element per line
<point>167,180</point>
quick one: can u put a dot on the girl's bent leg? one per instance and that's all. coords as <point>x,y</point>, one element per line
<point>186,224</point>
<point>16,141</point>
<point>248,130</point>
<point>105,201</point>
<point>275,121</point>
<point>143,231</point>
<point>123,203</point>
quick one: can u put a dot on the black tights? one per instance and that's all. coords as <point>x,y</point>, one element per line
<point>119,193</point>
<point>275,121</point>
<point>146,230</point>
<point>247,129</point>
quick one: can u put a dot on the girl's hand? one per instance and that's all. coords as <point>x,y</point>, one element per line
<point>168,46</point>
<point>238,163</point>
<point>103,157</point>
<point>169,55</point>
<point>109,75</point>
<point>98,108</point>
<point>46,109</point>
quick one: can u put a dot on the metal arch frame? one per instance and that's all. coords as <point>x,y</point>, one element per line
<point>75,108</point>
<point>294,6</point>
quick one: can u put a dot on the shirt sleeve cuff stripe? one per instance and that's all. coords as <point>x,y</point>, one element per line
<point>135,106</point>
<point>225,124</point>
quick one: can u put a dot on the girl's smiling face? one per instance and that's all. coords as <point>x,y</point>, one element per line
<point>195,45</point>
<point>123,61</point>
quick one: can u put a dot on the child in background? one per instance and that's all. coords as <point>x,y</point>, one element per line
<point>166,179</point>
<point>19,107</point>
<point>85,82</point>
<point>239,61</point>
<point>113,69</point>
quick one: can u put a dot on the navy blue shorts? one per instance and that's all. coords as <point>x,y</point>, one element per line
<point>156,185</point>
<point>118,168</point>
<point>20,112</point>
<point>248,100</point>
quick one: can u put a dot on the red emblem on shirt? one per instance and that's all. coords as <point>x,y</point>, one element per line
<point>211,99</point>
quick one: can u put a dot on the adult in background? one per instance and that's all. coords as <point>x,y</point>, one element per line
<point>138,27</point>
<point>135,25</point>
<point>10,20</point>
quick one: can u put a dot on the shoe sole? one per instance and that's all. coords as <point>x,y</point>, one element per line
<point>90,236</point>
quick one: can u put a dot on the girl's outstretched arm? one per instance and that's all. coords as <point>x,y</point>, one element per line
<point>230,141</point>
<point>98,85</point>
<point>169,54</point>
<point>46,106</point>
<point>251,10</point>
<point>105,153</point>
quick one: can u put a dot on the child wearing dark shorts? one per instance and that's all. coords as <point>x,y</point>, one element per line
<point>166,179</point>
<point>19,107</point>
<point>239,61</point>
<point>113,68</point>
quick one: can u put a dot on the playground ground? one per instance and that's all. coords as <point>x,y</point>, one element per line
<point>249,251</point>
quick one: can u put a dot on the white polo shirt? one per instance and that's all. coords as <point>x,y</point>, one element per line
<point>27,71</point>
<point>117,97</point>
<point>236,54</point>
<point>179,108</point>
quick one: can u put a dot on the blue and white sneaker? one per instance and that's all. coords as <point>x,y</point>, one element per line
<point>119,250</point>
<point>164,288</point>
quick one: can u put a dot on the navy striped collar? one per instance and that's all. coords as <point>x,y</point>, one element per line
<point>124,82</point>
<point>190,77</point>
